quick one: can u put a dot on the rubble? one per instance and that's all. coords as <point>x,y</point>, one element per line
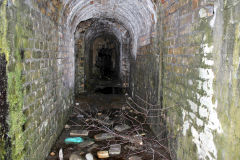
<point>132,148</point>
<point>142,134</point>
<point>134,158</point>
<point>60,154</point>
<point>77,133</point>
<point>89,156</point>
<point>67,126</point>
<point>103,154</point>
<point>93,147</point>
<point>76,156</point>
<point>137,139</point>
<point>103,136</point>
<point>115,149</point>
<point>74,140</point>
<point>121,128</point>
<point>80,116</point>
<point>86,143</point>
<point>52,153</point>
<point>104,121</point>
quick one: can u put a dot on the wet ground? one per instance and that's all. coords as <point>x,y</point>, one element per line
<point>99,113</point>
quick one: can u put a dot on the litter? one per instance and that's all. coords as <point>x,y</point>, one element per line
<point>73,140</point>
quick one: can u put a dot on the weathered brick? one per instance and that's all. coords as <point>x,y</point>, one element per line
<point>36,54</point>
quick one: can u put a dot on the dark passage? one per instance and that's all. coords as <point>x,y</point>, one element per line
<point>110,90</point>
<point>105,65</point>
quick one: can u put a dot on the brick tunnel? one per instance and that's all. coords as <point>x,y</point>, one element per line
<point>168,67</point>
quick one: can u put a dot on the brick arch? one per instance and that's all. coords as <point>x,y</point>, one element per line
<point>138,17</point>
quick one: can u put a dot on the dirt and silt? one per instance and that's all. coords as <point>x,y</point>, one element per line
<point>99,114</point>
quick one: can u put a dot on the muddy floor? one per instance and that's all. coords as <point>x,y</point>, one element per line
<point>99,113</point>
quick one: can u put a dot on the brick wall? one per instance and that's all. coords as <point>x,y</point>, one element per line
<point>146,77</point>
<point>40,72</point>
<point>80,62</point>
<point>226,52</point>
<point>80,56</point>
<point>144,88</point>
<point>199,78</point>
<point>186,28</point>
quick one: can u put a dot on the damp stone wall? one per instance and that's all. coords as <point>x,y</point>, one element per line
<point>39,72</point>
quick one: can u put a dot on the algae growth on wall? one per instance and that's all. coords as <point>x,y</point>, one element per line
<point>36,114</point>
<point>4,139</point>
<point>200,82</point>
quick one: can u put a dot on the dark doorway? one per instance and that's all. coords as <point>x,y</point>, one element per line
<point>104,63</point>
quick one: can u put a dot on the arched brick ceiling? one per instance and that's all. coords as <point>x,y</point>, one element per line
<point>137,16</point>
<point>105,26</point>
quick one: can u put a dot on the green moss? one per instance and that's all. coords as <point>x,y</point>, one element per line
<point>4,49</point>
<point>188,150</point>
<point>14,91</point>
<point>3,30</point>
<point>17,119</point>
<point>230,118</point>
<point>15,99</point>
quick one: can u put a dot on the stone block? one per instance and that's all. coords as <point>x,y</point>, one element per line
<point>89,156</point>
<point>86,143</point>
<point>103,136</point>
<point>103,154</point>
<point>115,149</point>
<point>121,128</point>
<point>77,133</point>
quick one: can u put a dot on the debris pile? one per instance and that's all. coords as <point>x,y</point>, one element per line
<point>121,134</point>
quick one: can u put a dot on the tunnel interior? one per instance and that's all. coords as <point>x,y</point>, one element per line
<point>70,59</point>
<point>104,64</point>
<point>167,68</point>
<point>103,54</point>
<point>105,59</point>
